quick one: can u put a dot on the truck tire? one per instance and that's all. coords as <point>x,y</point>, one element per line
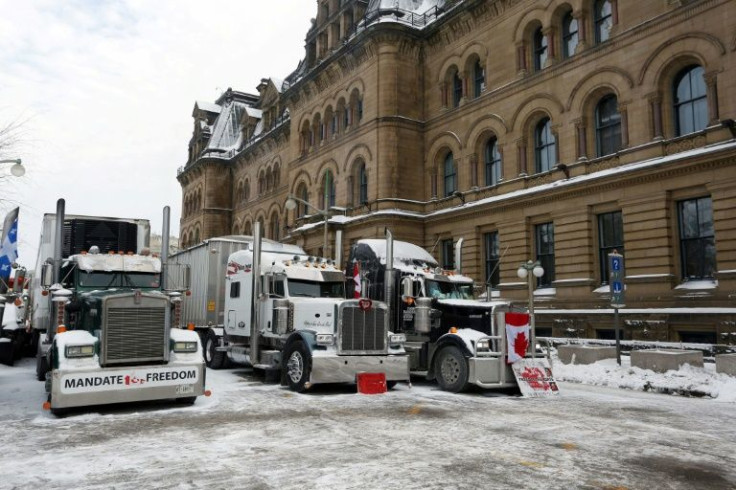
<point>42,366</point>
<point>7,354</point>
<point>451,369</point>
<point>213,358</point>
<point>297,366</point>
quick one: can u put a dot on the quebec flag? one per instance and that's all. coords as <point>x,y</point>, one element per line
<point>9,245</point>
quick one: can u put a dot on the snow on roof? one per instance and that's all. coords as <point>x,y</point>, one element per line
<point>253,112</point>
<point>403,251</point>
<point>227,134</point>
<point>112,263</point>
<point>207,106</point>
<point>413,6</point>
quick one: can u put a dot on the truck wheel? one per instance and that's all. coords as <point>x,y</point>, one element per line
<point>298,366</point>
<point>213,358</point>
<point>42,366</point>
<point>7,352</point>
<point>451,369</point>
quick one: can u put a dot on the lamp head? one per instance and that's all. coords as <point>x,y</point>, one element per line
<point>538,271</point>
<point>290,204</point>
<point>521,272</point>
<point>18,170</point>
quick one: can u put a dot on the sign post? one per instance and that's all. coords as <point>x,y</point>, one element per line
<point>616,275</point>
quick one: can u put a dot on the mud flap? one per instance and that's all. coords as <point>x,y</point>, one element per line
<point>534,377</point>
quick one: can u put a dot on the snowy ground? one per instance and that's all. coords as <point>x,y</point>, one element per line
<point>261,436</point>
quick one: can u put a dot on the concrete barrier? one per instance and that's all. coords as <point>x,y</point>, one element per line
<point>662,360</point>
<point>584,354</point>
<point>726,364</point>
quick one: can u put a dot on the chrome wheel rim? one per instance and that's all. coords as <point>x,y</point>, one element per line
<point>450,369</point>
<point>209,348</point>
<point>295,367</point>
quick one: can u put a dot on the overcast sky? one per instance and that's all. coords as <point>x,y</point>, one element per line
<point>104,90</point>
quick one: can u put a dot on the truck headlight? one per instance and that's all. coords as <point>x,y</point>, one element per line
<point>185,347</point>
<point>80,351</point>
<point>396,338</point>
<point>325,339</point>
<point>483,345</point>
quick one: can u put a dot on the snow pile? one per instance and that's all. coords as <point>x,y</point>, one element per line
<point>688,380</point>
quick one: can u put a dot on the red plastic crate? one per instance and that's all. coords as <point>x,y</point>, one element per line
<point>371,383</point>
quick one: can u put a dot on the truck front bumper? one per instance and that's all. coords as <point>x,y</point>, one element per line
<point>101,386</point>
<point>490,372</point>
<point>344,369</point>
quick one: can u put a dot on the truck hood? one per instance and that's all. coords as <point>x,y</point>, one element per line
<point>316,314</point>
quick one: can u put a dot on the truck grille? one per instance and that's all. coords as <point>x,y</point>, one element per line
<point>135,334</point>
<point>363,332</point>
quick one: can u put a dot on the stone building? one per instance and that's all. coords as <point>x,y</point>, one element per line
<point>554,130</point>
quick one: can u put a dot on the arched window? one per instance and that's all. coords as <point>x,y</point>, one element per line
<point>492,159</point>
<point>449,175</point>
<point>362,185</point>
<point>540,49</point>
<point>276,177</point>
<point>690,102</point>
<point>301,193</point>
<point>328,190</point>
<point>607,126</point>
<point>246,190</point>
<point>545,151</point>
<point>479,79</point>
<point>275,227</point>
<point>602,20</point>
<point>247,228</point>
<point>457,89</point>
<point>196,235</point>
<point>569,35</point>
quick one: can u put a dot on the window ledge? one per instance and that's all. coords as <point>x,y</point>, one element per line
<point>699,285</point>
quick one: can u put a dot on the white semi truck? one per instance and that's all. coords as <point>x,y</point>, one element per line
<point>285,312</point>
<point>105,316</point>
<point>451,336</point>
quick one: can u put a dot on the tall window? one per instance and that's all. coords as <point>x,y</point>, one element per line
<point>603,20</point>
<point>479,79</point>
<point>328,190</point>
<point>448,254</point>
<point>302,194</point>
<point>545,151</point>
<point>569,35</point>
<point>493,258</point>
<point>449,174</point>
<point>691,108</point>
<point>607,126</point>
<point>275,227</point>
<point>493,162</point>
<point>697,240</point>
<point>457,89</point>
<point>540,49</point>
<point>359,109</point>
<point>610,238</point>
<point>545,242</point>
<point>362,185</point>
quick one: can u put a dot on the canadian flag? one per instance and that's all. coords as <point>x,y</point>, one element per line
<point>356,280</point>
<point>517,336</point>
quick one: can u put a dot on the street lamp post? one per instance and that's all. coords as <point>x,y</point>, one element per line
<point>18,170</point>
<point>291,204</point>
<point>530,271</point>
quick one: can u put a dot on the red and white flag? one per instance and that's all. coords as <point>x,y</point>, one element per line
<point>517,336</point>
<point>356,280</point>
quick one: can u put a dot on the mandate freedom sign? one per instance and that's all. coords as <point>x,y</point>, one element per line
<point>135,378</point>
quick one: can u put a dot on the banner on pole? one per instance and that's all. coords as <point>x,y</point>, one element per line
<point>517,336</point>
<point>8,246</point>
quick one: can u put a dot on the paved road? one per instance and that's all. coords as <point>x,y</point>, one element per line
<point>261,436</point>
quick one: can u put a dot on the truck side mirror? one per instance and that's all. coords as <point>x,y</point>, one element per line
<point>47,274</point>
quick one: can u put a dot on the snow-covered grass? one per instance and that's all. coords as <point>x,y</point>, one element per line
<point>688,380</point>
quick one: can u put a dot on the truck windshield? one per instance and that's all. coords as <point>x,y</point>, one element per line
<point>99,279</point>
<point>313,289</point>
<point>449,290</point>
